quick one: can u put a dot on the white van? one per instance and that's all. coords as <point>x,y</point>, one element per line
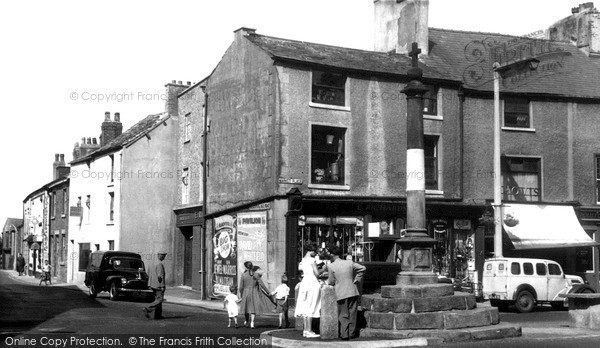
<point>525,282</point>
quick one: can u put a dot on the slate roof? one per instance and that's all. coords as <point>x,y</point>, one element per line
<point>563,70</point>
<point>138,130</point>
<point>457,57</point>
<point>12,221</point>
<point>339,57</point>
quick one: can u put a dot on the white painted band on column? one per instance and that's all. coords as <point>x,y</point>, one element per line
<point>415,170</point>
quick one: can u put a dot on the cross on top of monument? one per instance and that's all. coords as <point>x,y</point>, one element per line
<point>414,53</point>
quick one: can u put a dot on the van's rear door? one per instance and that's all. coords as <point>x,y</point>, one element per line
<point>494,279</point>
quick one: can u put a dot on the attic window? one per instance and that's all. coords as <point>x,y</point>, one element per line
<point>328,88</point>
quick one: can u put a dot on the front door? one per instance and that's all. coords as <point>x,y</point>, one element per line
<point>188,256</point>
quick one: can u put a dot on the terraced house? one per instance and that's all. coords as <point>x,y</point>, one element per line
<point>307,142</point>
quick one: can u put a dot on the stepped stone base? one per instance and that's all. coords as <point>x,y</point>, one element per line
<point>377,303</point>
<point>447,336</point>
<point>442,320</point>
<point>416,291</point>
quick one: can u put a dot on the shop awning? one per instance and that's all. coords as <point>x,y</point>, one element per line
<point>538,226</point>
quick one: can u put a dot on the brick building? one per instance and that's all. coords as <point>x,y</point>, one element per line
<point>308,141</point>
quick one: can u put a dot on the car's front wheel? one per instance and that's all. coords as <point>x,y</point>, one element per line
<point>525,301</point>
<point>92,291</point>
<point>113,293</point>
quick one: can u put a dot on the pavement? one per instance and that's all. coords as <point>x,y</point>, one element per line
<point>289,338</point>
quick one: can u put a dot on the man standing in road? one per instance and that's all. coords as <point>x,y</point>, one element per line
<point>156,280</point>
<point>344,275</point>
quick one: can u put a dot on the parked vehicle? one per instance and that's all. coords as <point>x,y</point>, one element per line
<point>118,272</point>
<point>526,282</point>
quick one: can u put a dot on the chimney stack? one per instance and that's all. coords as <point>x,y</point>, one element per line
<point>581,29</point>
<point>399,23</point>
<point>172,91</point>
<point>62,170</point>
<point>110,129</point>
<point>55,165</point>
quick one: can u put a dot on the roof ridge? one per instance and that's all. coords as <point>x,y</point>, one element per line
<point>498,34</point>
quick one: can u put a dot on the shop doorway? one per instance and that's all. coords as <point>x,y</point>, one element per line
<point>188,255</point>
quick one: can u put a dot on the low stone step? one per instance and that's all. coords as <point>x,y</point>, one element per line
<point>491,332</point>
<point>376,303</point>
<point>416,291</point>
<point>444,320</point>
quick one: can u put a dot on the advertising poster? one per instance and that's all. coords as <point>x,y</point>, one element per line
<point>252,238</point>
<point>225,255</point>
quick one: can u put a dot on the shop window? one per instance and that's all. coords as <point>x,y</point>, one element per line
<point>540,269</point>
<point>521,179</point>
<point>327,155</point>
<point>328,88</point>
<point>431,162</point>
<point>344,232</point>
<point>84,256</point>
<point>528,268</point>
<point>597,160</point>
<point>430,101</point>
<point>515,268</point>
<point>516,113</point>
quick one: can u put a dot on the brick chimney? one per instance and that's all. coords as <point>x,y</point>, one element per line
<point>172,91</point>
<point>87,146</point>
<point>399,23</point>
<point>581,28</point>
<point>110,129</point>
<point>55,165</point>
<point>62,170</point>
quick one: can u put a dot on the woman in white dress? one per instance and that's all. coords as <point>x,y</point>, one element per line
<point>308,303</point>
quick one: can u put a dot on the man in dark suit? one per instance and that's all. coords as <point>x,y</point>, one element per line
<point>156,280</point>
<point>344,275</point>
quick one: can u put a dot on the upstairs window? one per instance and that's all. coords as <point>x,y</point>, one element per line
<point>431,162</point>
<point>597,168</point>
<point>516,113</point>
<point>65,202</point>
<point>521,179</point>
<point>185,186</point>
<point>430,101</point>
<point>328,88</point>
<point>187,128</point>
<point>111,207</point>
<point>327,155</point>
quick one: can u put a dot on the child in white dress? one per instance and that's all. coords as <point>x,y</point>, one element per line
<point>231,304</point>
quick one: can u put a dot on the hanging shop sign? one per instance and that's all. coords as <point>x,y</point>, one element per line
<point>225,255</point>
<point>462,224</point>
<point>440,226</point>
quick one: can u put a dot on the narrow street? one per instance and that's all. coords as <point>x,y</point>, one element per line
<point>28,308</point>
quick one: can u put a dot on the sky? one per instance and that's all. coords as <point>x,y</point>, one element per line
<point>63,64</point>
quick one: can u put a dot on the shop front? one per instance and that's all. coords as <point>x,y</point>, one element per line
<point>187,246</point>
<point>368,229</point>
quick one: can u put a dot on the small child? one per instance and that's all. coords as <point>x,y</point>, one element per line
<point>281,298</point>
<point>231,304</point>
<point>45,277</point>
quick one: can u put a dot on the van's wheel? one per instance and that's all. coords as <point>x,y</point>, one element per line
<point>92,291</point>
<point>525,301</point>
<point>113,294</point>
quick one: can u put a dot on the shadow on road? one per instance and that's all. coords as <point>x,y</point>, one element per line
<point>24,306</point>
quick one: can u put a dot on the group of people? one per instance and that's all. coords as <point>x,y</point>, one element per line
<point>45,276</point>
<point>344,275</point>
<point>255,298</point>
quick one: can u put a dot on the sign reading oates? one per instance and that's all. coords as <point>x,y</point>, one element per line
<point>225,255</point>
<point>252,239</point>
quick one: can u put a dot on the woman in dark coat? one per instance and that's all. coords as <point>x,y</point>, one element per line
<point>20,264</point>
<point>254,301</point>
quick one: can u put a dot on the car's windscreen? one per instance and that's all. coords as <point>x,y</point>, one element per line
<point>120,263</point>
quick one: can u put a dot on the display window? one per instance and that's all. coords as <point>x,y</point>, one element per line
<point>344,232</point>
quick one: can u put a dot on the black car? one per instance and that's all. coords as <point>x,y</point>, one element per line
<point>118,272</point>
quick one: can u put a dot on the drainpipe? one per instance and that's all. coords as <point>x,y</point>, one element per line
<point>205,166</point>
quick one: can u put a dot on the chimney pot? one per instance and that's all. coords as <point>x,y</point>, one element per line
<point>89,140</point>
<point>82,141</point>
<point>55,157</point>
<point>107,116</point>
<point>173,81</point>
<point>117,117</point>
<point>94,141</point>
<point>179,82</point>
<point>62,159</point>
<point>189,83</point>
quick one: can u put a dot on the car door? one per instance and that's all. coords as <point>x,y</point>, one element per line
<point>556,281</point>
<point>541,283</point>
